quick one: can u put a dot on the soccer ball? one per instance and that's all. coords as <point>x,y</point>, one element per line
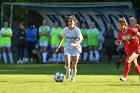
<point>58,77</point>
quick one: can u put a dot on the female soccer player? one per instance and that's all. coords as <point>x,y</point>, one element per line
<point>72,47</point>
<point>44,32</point>
<point>135,26</point>
<point>128,36</point>
<point>6,34</point>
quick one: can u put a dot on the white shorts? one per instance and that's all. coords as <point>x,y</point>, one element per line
<point>43,43</point>
<point>54,46</point>
<point>70,54</point>
<point>6,45</point>
<point>72,50</point>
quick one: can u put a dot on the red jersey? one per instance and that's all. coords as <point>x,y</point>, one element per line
<point>129,45</point>
<point>136,27</point>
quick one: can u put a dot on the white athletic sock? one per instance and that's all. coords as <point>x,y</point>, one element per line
<point>73,73</point>
<point>10,56</point>
<point>91,56</point>
<point>5,57</point>
<point>59,57</point>
<point>54,57</point>
<point>97,55</point>
<point>85,56</point>
<point>67,67</point>
<point>44,55</point>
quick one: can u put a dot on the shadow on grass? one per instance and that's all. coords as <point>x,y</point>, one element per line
<point>45,69</point>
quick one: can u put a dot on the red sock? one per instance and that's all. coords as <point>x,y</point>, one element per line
<point>122,60</point>
<point>126,69</point>
<point>137,69</point>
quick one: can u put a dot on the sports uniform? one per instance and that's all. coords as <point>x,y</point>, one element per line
<point>130,46</point>
<point>72,37</point>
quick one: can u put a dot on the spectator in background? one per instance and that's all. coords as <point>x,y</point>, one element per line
<point>31,39</point>
<point>44,32</point>
<point>84,42</point>
<point>55,34</point>
<point>109,41</point>
<point>6,33</point>
<point>93,41</point>
<point>63,25</point>
<point>21,36</point>
<point>133,24</point>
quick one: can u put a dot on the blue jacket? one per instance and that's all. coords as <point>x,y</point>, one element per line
<point>31,34</point>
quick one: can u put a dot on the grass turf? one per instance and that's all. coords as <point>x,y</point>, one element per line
<point>91,78</point>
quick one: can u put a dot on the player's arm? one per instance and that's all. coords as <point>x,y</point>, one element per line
<point>78,42</point>
<point>117,42</point>
<point>138,34</point>
<point>6,35</point>
<point>61,40</point>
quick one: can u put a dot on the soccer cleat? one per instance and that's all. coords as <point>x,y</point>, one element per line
<point>123,78</point>
<point>118,65</point>
<point>67,73</point>
<point>72,80</point>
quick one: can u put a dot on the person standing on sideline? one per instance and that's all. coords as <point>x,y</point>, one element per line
<point>84,42</point>
<point>6,33</point>
<point>56,57</point>
<point>21,35</point>
<point>128,36</point>
<point>109,41</point>
<point>72,47</point>
<point>93,42</point>
<point>31,39</point>
<point>44,32</point>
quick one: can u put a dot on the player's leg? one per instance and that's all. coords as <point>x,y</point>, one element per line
<point>136,67</point>
<point>10,53</point>
<point>4,53</point>
<point>129,59</point>
<point>67,65</point>
<point>91,48</point>
<point>43,46</point>
<point>97,55</point>
<point>85,53</point>
<point>122,60</point>
<point>74,67</point>
<point>54,55</point>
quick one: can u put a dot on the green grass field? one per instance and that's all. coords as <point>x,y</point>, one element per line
<point>91,78</point>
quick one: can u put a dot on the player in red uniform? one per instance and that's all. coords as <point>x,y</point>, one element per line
<point>128,36</point>
<point>135,26</point>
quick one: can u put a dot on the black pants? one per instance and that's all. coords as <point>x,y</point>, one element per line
<point>30,47</point>
<point>21,48</point>
<point>109,53</point>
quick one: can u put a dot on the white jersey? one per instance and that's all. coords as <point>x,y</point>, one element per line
<point>72,36</point>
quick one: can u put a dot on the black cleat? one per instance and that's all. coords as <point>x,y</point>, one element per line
<point>118,65</point>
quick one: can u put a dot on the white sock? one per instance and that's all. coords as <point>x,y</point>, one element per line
<point>44,55</point>
<point>67,67</point>
<point>5,57</point>
<point>10,56</point>
<point>91,56</point>
<point>85,56</point>
<point>97,55</point>
<point>73,73</point>
<point>59,57</point>
<point>54,57</point>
